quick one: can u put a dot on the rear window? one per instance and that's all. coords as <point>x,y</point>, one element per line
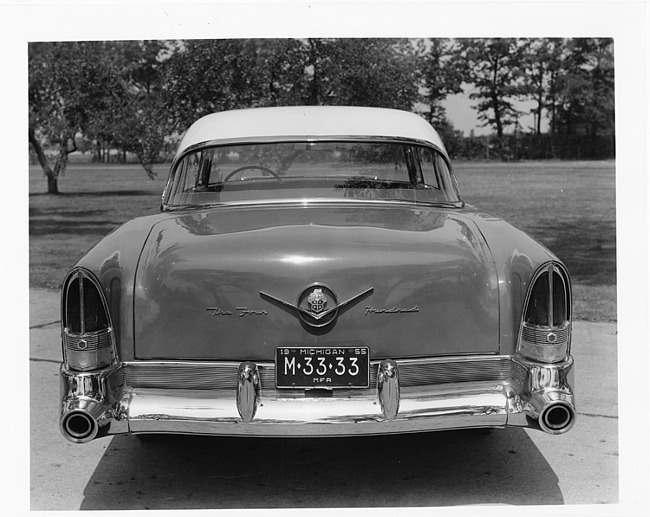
<point>349,169</point>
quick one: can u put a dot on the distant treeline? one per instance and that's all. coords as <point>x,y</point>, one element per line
<point>508,148</point>
<point>135,98</point>
<point>530,146</point>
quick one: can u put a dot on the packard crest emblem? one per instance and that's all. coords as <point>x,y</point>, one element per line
<point>317,301</point>
<point>317,305</point>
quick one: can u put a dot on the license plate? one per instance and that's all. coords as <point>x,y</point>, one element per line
<point>331,367</point>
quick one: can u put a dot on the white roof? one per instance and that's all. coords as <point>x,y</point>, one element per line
<point>309,122</point>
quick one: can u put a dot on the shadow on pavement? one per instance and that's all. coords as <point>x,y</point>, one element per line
<point>435,469</point>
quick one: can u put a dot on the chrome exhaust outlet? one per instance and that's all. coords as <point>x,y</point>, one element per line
<point>551,411</point>
<point>79,427</point>
<point>80,423</point>
<point>557,417</point>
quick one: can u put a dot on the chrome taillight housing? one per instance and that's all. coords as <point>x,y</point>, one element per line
<point>545,332</point>
<point>87,332</point>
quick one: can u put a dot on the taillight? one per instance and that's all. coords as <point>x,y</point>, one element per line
<point>546,327</point>
<point>88,339</point>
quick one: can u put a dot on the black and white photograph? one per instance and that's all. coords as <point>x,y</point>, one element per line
<point>318,257</point>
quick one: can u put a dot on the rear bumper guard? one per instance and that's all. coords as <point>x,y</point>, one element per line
<point>96,404</point>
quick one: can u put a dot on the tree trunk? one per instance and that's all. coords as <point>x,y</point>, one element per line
<point>497,115</point>
<point>52,185</point>
<point>552,96</point>
<point>315,86</point>
<point>51,175</point>
<point>148,167</point>
<point>495,99</point>
<point>540,107</point>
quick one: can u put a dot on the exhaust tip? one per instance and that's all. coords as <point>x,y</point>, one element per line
<point>557,418</point>
<point>79,427</point>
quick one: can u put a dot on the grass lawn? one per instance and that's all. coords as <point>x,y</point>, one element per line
<point>568,206</point>
<point>95,199</point>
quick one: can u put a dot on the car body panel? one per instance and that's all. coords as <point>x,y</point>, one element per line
<point>115,260</point>
<point>517,257</point>
<point>427,262</point>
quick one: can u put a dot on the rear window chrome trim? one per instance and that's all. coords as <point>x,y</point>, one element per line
<point>301,139</point>
<point>302,203</point>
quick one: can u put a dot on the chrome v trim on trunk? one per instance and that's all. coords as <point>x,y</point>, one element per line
<point>314,314</point>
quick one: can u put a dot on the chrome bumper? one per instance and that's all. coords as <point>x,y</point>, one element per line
<point>144,398</point>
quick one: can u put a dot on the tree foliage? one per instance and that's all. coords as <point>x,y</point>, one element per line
<point>362,72</point>
<point>541,61</point>
<point>137,96</point>
<point>205,76</point>
<point>440,76</point>
<point>493,67</point>
<point>141,122</point>
<point>585,103</point>
<point>67,85</point>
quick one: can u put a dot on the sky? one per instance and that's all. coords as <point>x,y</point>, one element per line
<point>462,115</point>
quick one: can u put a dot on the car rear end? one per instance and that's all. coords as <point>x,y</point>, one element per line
<point>318,285</point>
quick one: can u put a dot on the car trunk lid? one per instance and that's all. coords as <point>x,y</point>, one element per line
<point>234,283</point>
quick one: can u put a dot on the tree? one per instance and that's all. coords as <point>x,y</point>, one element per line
<point>362,72</point>
<point>207,76</point>
<point>281,66</point>
<point>541,60</point>
<point>493,67</point>
<point>140,121</point>
<point>65,80</point>
<point>586,88</point>
<point>440,77</point>
<point>110,92</point>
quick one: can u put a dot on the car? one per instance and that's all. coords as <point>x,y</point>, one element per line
<point>314,271</point>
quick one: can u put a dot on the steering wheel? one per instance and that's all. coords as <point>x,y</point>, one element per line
<point>247,167</point>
